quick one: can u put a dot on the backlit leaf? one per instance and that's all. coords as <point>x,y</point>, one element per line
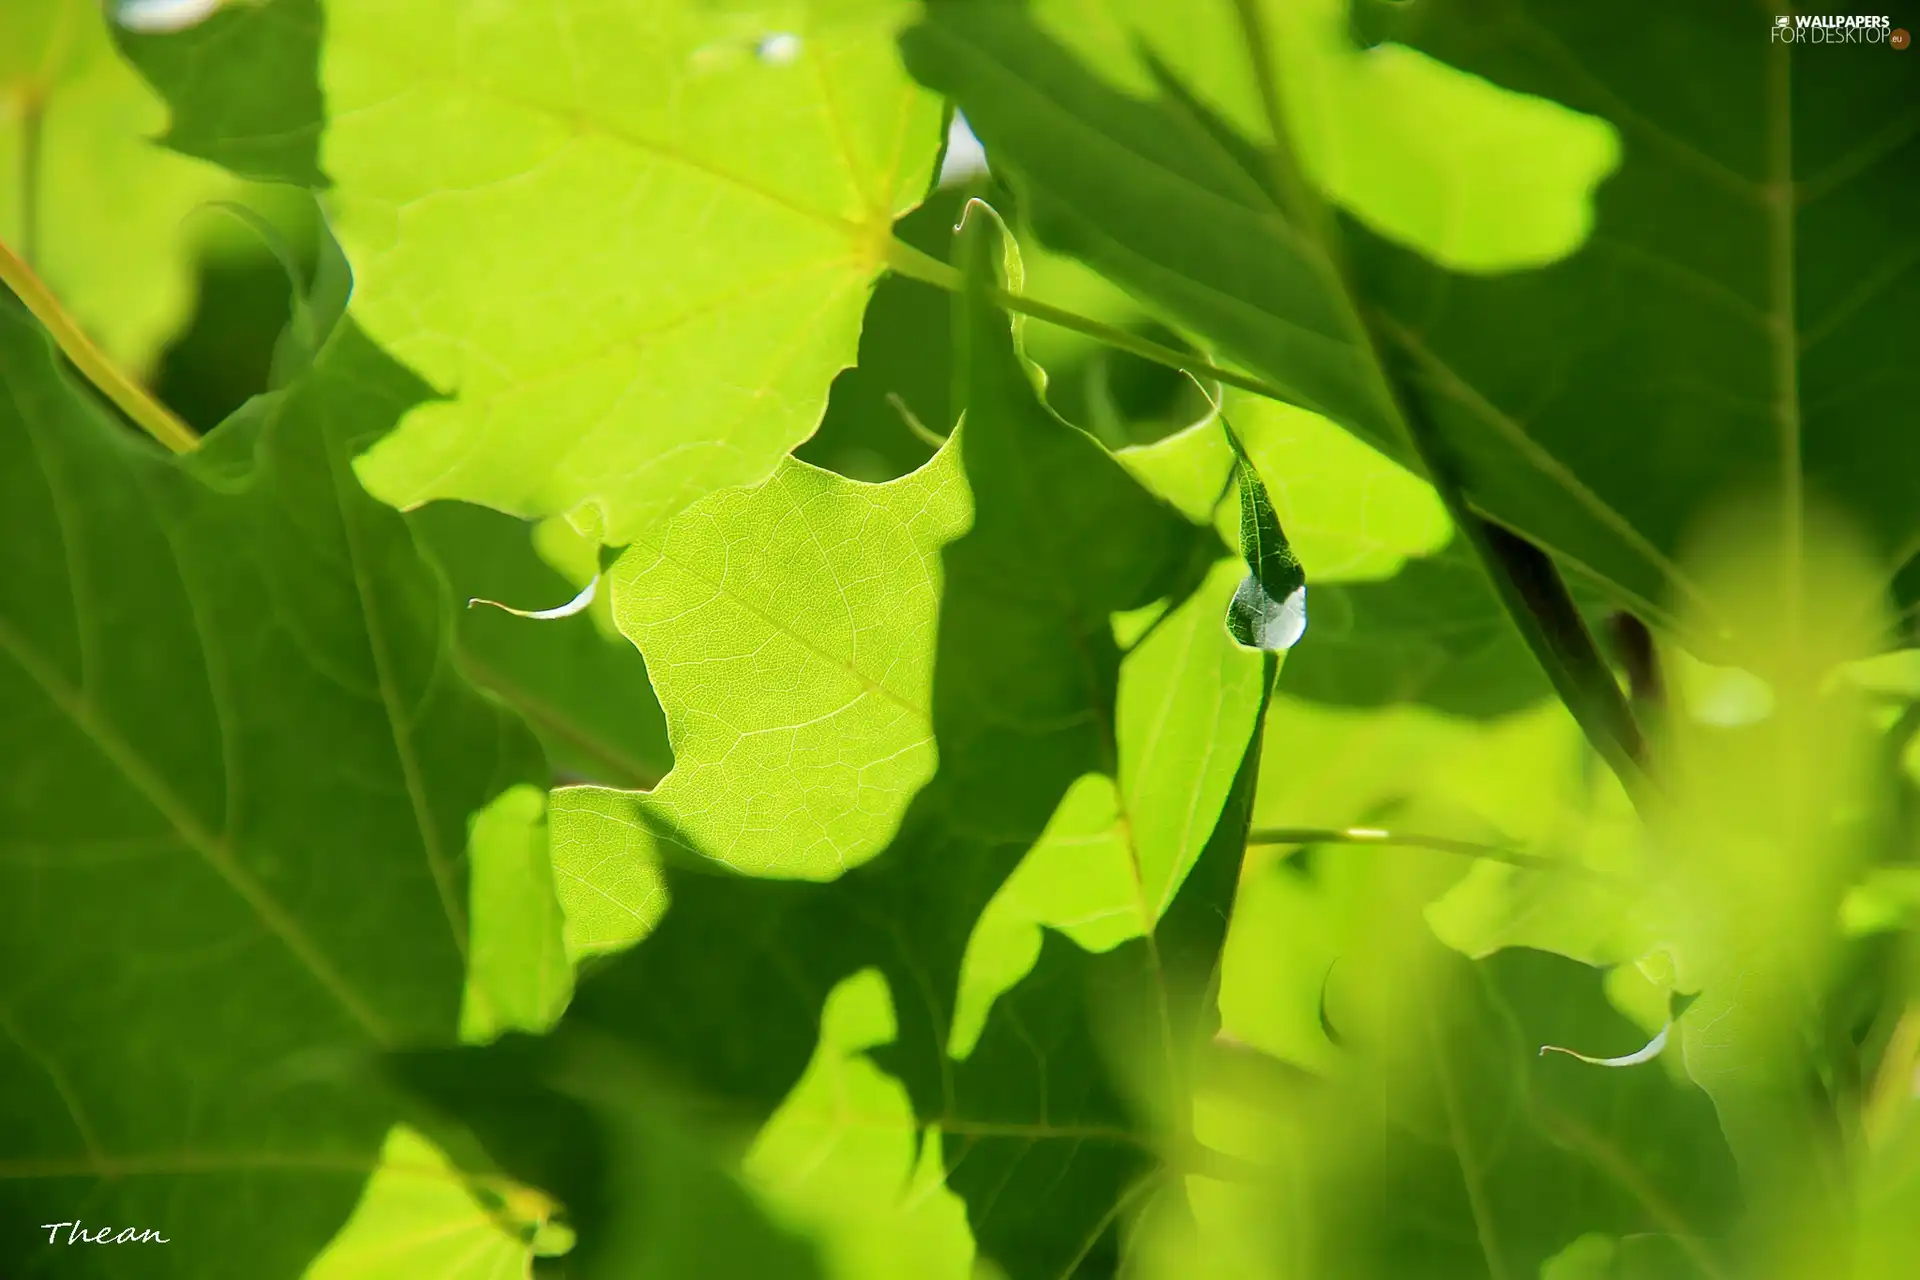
<point>631,243</point>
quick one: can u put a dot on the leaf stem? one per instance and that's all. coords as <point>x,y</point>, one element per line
<point>1412,840</point>
<point>905,260</point>
<point>1524,577</point>
<point>133,400</point>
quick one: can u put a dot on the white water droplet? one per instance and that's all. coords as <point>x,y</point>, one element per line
<point>161,17</point>
<point>1277,625</point>
<point>966,158</point>
<point>1732,698</point>
<point>779,49</point>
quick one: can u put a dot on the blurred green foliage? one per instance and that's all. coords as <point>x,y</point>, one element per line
<point>891,864</point>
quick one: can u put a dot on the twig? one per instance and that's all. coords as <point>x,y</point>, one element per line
<point>1411,840</point>
<point>133,400</point>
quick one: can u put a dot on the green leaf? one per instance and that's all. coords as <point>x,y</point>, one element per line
<point>1269,610</point>
<point>243,87</point>
<point>1089,157</point>
<point>584,692</point>
<point>1472,174</point>
<point>418,1215</point>
<point>632,244</point>
<point>74,148</point>
<point>790,632</point>
<point>238,779</point>
<point>519,976</point>
<point>1024,704</point>
<point>1074,1109</point>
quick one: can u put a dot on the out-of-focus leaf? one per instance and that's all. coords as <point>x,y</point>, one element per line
<point>1735,323</point>
<point>585,693</point>
<point>1441,1141</point>
<point>842,1159</point>
<point>1468,172</point>
<point>1434,633</point>
<point>418,1219</point>
<point>238,778</point>
<point>243,86</point>
<point>631,243</point>
<point>588,1119</point>
<point>85,196</point>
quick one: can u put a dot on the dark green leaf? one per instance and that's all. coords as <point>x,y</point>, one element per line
<point>237,779</point>
<point>244,88</point>
<point>1433,633</point>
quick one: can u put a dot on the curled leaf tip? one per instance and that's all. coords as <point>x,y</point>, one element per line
<point>1648,1053</point>
<point>576,605</point>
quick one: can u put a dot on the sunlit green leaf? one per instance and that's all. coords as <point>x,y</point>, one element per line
<point>632,244</point>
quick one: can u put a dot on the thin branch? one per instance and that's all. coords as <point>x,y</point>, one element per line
<point>133,400</point>
<point>1412,840</point>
